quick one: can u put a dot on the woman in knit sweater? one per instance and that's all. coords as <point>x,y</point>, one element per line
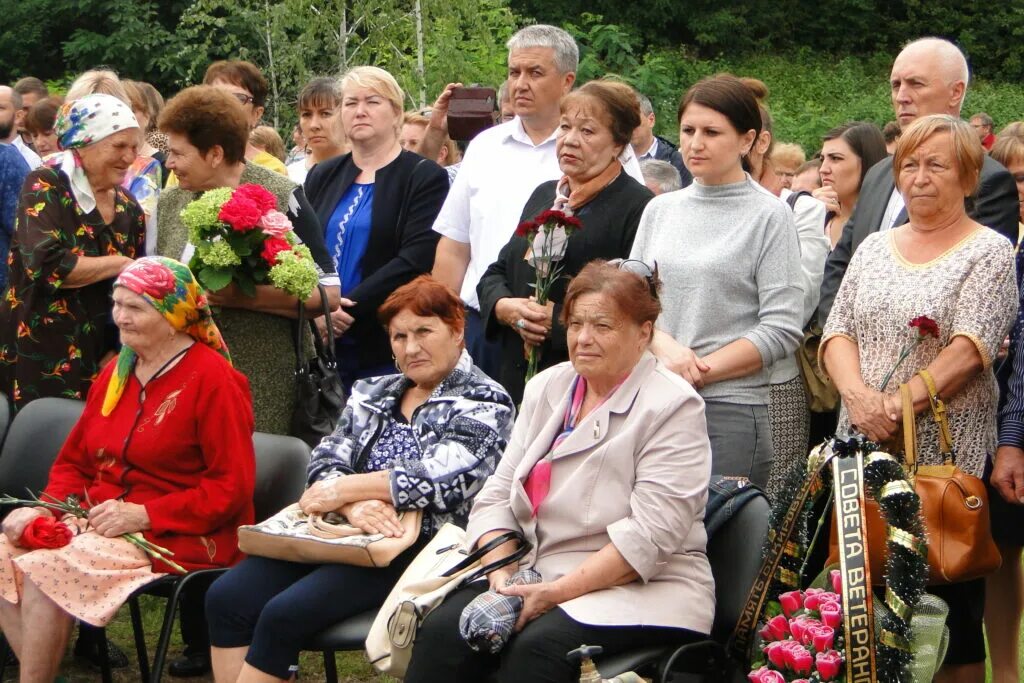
<point>728,255</point>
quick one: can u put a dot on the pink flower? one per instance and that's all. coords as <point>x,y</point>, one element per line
<point>828,664</point>
<point>778,627</point>
<point>275,224</point>
<point>812,601</point>
<point>836,577</point>
<point>831,615</point>
<point>799,660</point>
<point>765,675</point>
<point>798,625</point>
<point>791,602</point>
<point>776,653</point>
<point>822,637</point>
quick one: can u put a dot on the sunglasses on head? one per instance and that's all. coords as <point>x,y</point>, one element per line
<point>637,267</point>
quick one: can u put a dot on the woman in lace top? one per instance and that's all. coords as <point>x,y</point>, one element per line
<point>947,267</point>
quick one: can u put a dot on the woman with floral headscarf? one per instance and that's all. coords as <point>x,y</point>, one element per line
<point>163,448</point>
<point>76,230</point>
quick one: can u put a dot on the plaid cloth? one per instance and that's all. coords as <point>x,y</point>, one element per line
<point>487,623</point>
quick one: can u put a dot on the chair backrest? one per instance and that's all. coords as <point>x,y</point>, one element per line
<point>281,463</point>
<point>735,556</point>
<point>36,436</point>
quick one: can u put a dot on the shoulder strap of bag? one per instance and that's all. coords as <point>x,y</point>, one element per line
<point>477,555</point>
<point>939,413</point>
<point>323,350</point>
<point>909,428</point>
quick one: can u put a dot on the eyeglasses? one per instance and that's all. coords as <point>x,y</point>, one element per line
<point>637,267</point>
<point>243,98</point>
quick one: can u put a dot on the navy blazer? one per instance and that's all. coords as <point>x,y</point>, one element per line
<point>407,196</point>
<point>994,204</point>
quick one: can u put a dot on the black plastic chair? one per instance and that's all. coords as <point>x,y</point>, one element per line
<point>281,463</point>
<point>735,556</point>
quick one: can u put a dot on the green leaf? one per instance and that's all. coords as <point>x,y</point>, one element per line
<point>214,279</point>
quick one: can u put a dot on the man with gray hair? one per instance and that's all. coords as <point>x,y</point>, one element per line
<point>983,125</point>
<point>929,76</point>
<point>660,176</point>
<point>647,145</point>
<point>502,167</point>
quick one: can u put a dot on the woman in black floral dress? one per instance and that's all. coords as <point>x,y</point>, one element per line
<point>76,230</point>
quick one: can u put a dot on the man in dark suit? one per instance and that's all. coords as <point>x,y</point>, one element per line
<point>647,145</point>
<point>928,77</point>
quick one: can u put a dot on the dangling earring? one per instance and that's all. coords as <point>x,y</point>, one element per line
<point>395,360</point>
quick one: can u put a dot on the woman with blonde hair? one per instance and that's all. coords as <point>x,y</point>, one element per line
<point>377,205</point>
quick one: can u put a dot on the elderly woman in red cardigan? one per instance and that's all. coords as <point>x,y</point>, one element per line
<point>163,450</point>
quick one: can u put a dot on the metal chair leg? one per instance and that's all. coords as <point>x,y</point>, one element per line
<point>139,633</point>
<point>330,667</point>
<point>164,642</point>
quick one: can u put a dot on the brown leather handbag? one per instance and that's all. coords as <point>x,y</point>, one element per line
<point>954,505</point>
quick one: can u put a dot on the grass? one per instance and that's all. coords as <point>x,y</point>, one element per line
<point>352,666</point>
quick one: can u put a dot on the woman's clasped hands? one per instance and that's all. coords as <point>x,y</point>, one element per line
<point>874,414</point>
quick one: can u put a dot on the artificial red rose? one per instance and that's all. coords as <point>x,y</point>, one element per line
<point>836,577</point>
<point>812,600</point>
<point>263,198</point>
<point>797,625</point>
<point>828,664</point>
<point>45,532</point>
<point>149,277</point>
<point>755,676</point>
<point>831,615</point>
<point>776,653</point>
<point>791,602</point>
<point>275,223</point>
<point>778,626</point>
<point>770,676</point>
<point>822,637</point>
<point>799,660</point>
<point>526,228</point>
<point>241,213</point>
<point>926,327</point>
<point>273,246</point>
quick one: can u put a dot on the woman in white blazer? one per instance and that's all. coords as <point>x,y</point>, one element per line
<point>607,476</point>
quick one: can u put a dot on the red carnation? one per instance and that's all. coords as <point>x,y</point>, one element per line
<point>258,194</point>
<point>45,532</point>
<point>526,228</point>
<point>926,327</point>
<point>241,213</point>
<point>551,216</point>
<point>273,246</point>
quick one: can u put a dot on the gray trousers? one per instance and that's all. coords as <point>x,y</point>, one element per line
<point>741,440</point>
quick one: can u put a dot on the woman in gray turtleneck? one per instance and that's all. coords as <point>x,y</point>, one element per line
<point>728,255</point>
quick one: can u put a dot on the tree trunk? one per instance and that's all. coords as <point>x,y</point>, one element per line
<point>420,70</point>
<point>270,65</point>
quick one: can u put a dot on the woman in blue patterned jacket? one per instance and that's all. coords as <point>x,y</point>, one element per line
<point>425,439</point>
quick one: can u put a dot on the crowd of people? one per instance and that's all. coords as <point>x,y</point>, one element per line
<point>699,288</point>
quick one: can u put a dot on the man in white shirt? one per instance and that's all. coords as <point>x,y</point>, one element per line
<point>10,105</point>
<point>500,170</point>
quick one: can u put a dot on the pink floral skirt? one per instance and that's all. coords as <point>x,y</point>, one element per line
<point>90,578</point>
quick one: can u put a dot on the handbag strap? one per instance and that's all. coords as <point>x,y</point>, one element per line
<point>322,350</point>
<point>909,428</point>
<point>477,555</point>
<point>939,413</point>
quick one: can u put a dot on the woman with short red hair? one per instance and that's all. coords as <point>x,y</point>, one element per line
<point>426,438</point>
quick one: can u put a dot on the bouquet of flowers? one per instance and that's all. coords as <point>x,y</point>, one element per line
<point>548,235</point>
<point>802,642</point>
<point>46,532</point>
<point>239,236</point>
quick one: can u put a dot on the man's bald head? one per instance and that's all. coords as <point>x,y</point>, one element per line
<point>929,76</point>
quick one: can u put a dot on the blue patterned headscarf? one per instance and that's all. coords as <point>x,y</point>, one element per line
<point>83,122</point>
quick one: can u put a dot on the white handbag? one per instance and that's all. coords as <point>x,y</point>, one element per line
<point>442,566</point>
<point>325,539</point>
